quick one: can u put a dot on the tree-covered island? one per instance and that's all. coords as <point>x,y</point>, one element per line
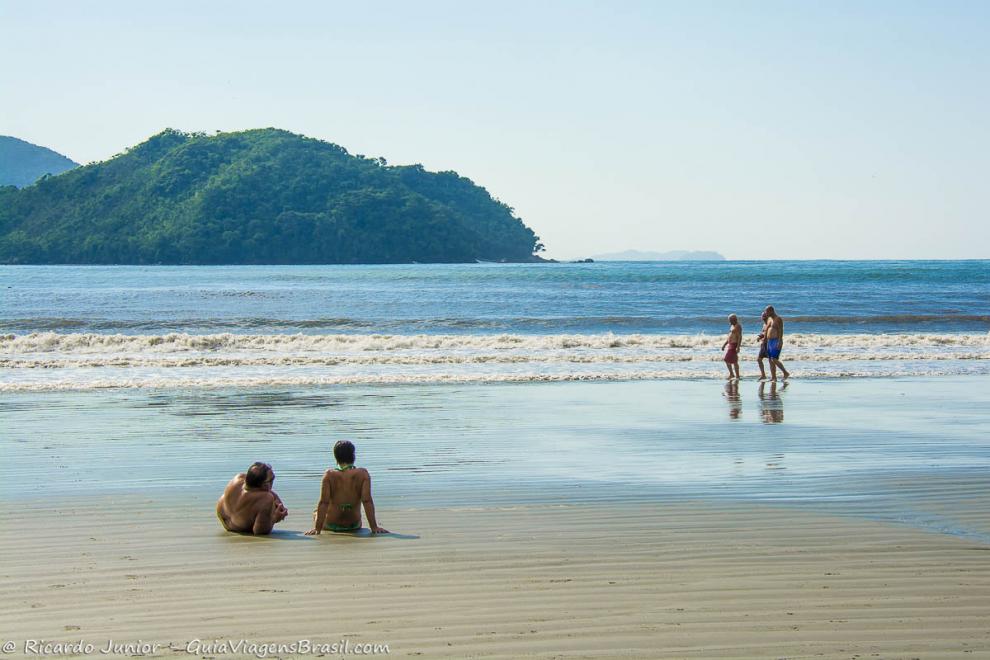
<point>262,196</point>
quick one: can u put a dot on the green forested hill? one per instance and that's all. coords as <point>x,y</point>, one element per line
<point>259,196</point>
<point>23,163</point>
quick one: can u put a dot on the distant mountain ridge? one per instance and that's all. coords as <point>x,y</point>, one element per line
<point>263,196</point>
<point>672,255</point>
<point>23,163</point>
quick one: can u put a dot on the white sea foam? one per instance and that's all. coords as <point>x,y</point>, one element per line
<point>170,382</point>
<point>556,357</point>
<point>50,342</point>
<point>50,361</point>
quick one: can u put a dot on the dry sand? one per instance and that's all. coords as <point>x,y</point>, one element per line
<point>684,581</point>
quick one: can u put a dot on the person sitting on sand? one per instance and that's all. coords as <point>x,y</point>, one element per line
<point>343,490</point>
<point>775,342</point>
<point>762,338</point>
<point>249,505</point>
<point>731,346</point>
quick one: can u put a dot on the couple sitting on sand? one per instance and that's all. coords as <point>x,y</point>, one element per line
<point>771,342</point>
<point>250,506</point>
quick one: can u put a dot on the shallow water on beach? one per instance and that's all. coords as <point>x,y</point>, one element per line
<point>915,451</point>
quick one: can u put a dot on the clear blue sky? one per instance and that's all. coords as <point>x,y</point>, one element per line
<point>758,129</point>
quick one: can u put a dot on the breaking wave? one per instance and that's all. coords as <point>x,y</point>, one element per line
<point>85,343</point>
<point>53,361</point>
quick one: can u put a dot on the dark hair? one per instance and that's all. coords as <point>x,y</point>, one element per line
<point>343,451</point>
<point>257,474</point>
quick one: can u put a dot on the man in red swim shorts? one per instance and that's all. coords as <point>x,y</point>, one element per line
<point>731,347</point>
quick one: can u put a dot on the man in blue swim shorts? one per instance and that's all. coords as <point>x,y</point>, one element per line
<point>762,338</point>
<point>775,342</point>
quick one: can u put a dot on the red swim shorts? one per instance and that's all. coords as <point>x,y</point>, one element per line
<point>731,353</point>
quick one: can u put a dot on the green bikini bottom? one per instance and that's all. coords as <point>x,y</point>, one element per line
<point>334,527</point>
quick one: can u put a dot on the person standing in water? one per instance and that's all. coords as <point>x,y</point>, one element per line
<point>342,493</point>
<point>762,337</point>
<point>731,346</point>
<point>775,342</point>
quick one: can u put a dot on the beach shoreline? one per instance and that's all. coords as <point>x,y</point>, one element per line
<point>685,580</point>
<point>646,519</point>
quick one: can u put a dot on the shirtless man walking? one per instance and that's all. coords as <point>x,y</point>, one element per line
<point>762,338</point>
<point>248,504</point>
<point>775,342</point>
<point>731,346</point>
<point>342,493</point>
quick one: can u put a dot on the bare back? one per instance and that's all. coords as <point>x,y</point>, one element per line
<point>348,489</point>
<point>245,510</point>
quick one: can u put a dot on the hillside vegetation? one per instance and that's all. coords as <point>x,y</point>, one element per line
<point>259,196</point>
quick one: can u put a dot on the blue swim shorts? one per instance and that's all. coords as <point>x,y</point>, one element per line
<point>773,349</point>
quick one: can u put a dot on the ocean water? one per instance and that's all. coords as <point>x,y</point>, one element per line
<point>163,382</point>
<point>77,328</point>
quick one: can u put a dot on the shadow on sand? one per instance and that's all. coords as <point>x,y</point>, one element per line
<point>300,535</point>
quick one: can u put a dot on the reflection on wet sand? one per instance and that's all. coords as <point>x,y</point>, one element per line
<point>731,395</point>
<point>771,405</point>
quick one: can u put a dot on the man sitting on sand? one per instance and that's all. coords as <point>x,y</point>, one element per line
<point>249,505</point>
<point>775,342</point>
<point>342,493</point>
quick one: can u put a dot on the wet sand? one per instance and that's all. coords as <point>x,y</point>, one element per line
<point>691,580</point>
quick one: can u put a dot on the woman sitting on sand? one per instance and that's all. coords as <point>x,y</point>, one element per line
<point>342,491</point>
